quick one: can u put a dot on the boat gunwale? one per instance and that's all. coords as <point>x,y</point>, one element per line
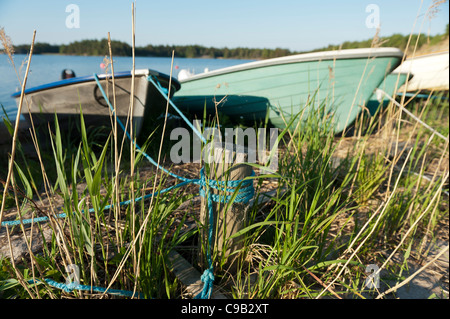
<point>427,55</point>
<point>364,53</point>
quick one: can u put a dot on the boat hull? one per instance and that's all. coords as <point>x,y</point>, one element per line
<point>390,85</point>
<point>66,98</point>
<point>430,72</point>
<point>340,81</point>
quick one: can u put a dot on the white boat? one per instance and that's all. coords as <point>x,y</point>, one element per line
<point>430,72</point>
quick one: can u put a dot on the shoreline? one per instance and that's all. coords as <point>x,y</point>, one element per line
<point>204,57</point>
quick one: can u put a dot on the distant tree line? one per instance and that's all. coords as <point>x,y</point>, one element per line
<point>39,48</point>
<point>396,40</point>
<point>119,48</point>
<point>198,51</point>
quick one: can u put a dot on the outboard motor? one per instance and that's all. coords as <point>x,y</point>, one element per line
<point>184,74</point>
<point>67,74</point>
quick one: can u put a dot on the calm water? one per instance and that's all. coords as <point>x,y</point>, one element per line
<point>47,68</point>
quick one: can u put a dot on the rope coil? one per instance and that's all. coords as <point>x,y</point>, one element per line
<point>245,189</point>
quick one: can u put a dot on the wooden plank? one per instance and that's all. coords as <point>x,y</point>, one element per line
<point>189,276</point>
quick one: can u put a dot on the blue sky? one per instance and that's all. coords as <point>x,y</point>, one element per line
<point>293,24</point>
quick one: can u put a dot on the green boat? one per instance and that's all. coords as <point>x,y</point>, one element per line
<point>390,85</point>
<point>338,81</point>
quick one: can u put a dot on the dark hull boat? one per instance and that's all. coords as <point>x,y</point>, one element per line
<point>66,97</point>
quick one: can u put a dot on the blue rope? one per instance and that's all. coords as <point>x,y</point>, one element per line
<point>158,86</point>
<point>244,187</point>
<point>243,196</point>
<point>72,286</point>
<point>246,191</point>
<point>11,223</point>
<point>16,222</point>
<point>208,275</point>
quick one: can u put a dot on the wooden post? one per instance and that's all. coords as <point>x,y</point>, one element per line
<point>228,219</point>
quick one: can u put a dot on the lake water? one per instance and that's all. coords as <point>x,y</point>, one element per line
<point>48,68</point>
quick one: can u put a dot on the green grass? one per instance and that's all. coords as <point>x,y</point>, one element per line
<point>341,203</point>
<point>302,240</point>
<point>324,225</point>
